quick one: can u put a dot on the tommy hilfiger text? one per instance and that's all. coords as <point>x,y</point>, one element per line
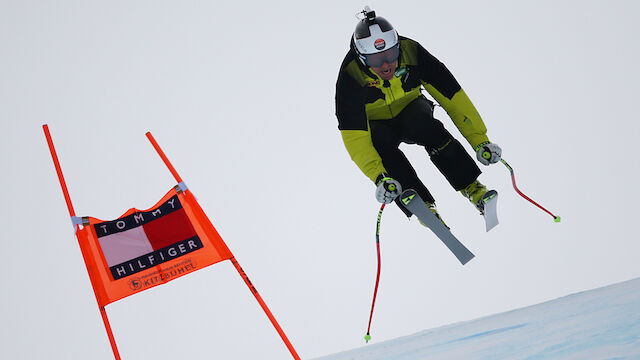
<point>155,258</point>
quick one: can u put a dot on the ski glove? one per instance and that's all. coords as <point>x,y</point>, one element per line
<point>388,188</point>
<point>488,153</point>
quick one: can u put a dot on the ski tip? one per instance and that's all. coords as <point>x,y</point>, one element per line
<point>557,219</point>
<point>367,338</point>
<point>489,227</point>
<point>466,259</point>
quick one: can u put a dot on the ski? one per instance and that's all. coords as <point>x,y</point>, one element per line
<point>490,212</point>
<point>414,203</point>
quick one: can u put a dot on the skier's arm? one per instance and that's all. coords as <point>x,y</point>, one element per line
<point>362,152</point>
<point>353,126</point>
<point>445,89</point>
<point>464,115</point>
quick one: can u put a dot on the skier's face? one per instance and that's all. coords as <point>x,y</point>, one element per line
<point>386,70</point>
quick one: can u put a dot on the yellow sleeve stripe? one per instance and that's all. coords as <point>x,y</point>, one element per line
<point>362,152</point>
<point>464,115</point>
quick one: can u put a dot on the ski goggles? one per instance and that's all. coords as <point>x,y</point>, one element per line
<point>388,56</point>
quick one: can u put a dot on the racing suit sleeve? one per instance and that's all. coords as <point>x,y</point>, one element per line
<point>445,89</point>
<point>354,127</point>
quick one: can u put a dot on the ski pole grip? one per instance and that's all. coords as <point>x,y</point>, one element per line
<point>486,153</point>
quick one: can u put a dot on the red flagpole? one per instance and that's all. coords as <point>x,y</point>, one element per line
<point>164,157</point>
<point>72,213</point>
<point>56,163</point>
<point>235,263</point>
<point>255,293</point>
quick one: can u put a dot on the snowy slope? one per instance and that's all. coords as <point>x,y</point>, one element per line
<point>597,324</point>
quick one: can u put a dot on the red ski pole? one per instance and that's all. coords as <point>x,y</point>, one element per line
<point>375,291</point>
<point>513,180</point>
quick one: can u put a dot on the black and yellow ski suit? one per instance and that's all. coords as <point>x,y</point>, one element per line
<point>375,116</point>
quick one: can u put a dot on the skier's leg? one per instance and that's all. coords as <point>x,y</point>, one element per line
<point>447,154</point>
<point>385,137</point>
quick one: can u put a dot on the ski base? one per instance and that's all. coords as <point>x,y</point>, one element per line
<point>414,203</point>
<point>490,212</point>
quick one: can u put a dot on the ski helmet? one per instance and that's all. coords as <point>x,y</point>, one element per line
<point>373,35</point>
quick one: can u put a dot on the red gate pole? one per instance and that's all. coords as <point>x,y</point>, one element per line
<point>235,263</point>
<point>72,213</point>
<point>255,293</point>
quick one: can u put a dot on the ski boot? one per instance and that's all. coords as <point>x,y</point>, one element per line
<point>478,195</point>
<point>433,209</point>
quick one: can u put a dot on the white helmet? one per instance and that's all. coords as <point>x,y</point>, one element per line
<point>373,35</point>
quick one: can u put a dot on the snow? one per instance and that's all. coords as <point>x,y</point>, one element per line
<point>597,324</point>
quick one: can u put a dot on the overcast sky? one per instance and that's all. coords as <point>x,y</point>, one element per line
<point>240,97</point>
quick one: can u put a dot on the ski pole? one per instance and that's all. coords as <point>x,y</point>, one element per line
<point>513,180</point>
<point>375,291</point>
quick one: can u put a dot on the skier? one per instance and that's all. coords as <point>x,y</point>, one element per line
<point>379,104</point>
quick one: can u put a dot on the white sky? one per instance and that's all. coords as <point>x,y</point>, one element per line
<point>240,96</point>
